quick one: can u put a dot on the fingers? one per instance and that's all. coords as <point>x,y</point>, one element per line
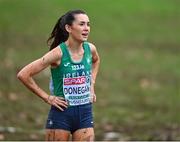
<point>61,102</point>
<point>58,102</point>
<point>58,107</point>
<point>94,98</point>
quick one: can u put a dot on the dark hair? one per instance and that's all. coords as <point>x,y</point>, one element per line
<point>59,33</point>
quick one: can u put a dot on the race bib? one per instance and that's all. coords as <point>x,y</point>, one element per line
<point>77,90</point>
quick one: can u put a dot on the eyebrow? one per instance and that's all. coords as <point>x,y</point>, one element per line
<point>84,22</point>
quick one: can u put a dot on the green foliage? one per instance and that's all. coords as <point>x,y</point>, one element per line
<point>138,85</point>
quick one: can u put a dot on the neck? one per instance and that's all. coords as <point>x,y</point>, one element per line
<point>74,45</point>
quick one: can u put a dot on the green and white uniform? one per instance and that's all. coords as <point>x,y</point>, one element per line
<point>71,80</point>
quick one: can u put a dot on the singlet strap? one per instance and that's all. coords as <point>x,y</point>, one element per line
<point>87,47</point>
<point>63,48</point>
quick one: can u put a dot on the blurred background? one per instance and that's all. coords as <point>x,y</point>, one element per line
<point>138,85</point>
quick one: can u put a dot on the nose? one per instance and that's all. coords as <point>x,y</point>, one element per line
<point>86,27</point>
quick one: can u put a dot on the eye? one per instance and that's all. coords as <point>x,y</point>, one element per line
<point>81,24</point>
<point>84,23</point>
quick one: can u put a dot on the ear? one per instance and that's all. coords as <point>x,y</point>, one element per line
<point>68,28</point>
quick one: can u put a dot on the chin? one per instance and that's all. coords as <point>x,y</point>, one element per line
<point>83,40</point>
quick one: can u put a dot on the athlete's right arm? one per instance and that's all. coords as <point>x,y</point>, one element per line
<point>25,75</point>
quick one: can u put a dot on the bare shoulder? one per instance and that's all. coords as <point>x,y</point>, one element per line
<point>56,52</point>
<point>95,55</point>
<point>92,47</point>
<point>53,57</point>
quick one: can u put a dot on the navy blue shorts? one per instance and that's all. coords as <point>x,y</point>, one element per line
<point>71,119</point>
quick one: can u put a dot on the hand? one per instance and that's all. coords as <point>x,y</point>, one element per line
<point>92,95</point>
<point>58,102</point>
<point>93,98</point>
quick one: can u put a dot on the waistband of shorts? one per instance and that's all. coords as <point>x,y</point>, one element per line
<point>78,106</point>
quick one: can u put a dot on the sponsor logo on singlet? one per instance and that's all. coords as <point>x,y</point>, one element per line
<point>66,64</point>
<point>77,90</point>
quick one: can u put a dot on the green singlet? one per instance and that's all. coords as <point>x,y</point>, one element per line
<point>72,80</point>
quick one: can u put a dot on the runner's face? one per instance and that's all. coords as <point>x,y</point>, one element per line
<point>80,27</point>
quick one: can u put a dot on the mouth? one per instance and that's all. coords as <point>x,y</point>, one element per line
<point>85,34</point>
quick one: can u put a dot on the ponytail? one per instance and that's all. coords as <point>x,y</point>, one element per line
<point>59,33</point>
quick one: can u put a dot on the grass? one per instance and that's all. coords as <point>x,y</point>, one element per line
<point>138,86</point>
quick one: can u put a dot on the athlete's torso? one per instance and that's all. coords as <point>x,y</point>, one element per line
<point>72,80</point>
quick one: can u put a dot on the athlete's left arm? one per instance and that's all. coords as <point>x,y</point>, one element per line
<point>95,62</point>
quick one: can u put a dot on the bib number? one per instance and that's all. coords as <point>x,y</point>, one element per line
<point>77,90</point>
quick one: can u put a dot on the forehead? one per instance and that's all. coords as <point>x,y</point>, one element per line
<point>81,18</point>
